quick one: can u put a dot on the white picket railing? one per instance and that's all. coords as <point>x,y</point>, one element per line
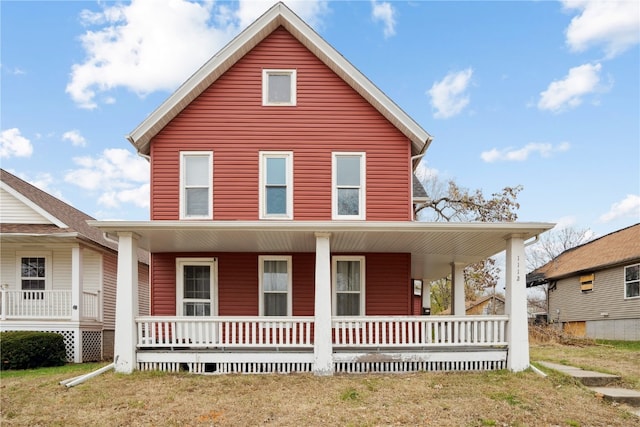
<point>224,332</point>
<point>297,332</point>
<point>47,304</point>
<point>422,331</point>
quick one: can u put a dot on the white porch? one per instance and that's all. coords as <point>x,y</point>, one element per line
<point>323,344</point>
<point>286,344</point>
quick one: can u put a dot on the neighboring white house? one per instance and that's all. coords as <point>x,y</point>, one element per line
<point>57,273</point>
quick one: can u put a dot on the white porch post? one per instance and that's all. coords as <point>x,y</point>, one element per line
<point>76,283</point>
<point>516,306</point>
<point>322,345</point>
<point>457,289</point>
<point>76,300</point>
<point>126,303</point>
<point>426,297</point>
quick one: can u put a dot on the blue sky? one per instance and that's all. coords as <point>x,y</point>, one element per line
<point>541,94</point>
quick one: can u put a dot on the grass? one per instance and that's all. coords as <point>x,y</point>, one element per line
<point>162,399</point>
<point>611,357</point>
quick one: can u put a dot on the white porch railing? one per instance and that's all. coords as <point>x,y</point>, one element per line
<point>422,331</point>
<point>297,332</point>
<point>225,332</point>
<point>47,304</point>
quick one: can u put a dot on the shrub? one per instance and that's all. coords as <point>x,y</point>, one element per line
<point>27,349</point>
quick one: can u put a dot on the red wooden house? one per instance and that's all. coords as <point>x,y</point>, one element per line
<point>282,232</point>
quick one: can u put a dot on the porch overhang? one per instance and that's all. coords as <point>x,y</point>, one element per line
<point>433,246</point>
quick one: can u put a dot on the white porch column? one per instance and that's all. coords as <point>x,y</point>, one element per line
<point>516,305</point>
<point>323,347</point>
<point>126,303</point>
<point>76,283</point>
<point>426,297</point>
<point>457,289</point>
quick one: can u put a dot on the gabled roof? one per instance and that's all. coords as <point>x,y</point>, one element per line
<point>468,305</point>
<point>278,15</point>
<point>66,221</point>
<point>617,248</point>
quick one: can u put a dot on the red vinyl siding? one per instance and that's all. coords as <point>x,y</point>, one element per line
<point>388,285</point>
<point>228,118</point>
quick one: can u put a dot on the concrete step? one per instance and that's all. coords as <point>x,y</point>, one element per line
<point>588,378</point>
<point>620,395</point>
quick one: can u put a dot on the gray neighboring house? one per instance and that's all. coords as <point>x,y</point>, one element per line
<point>57,273</point>
<point>594,289</point>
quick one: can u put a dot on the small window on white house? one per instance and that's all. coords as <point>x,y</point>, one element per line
<point>34,272</point>
<point>348,286</point>
<point>632,281</point>
<point>276,185</point>
<point>278,87</point>
<point>349,192</point>
<point>196,185</point>
<point>275,285</point>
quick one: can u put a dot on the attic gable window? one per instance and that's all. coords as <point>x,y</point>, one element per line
<point>278,87</point>
<point>632,281</point>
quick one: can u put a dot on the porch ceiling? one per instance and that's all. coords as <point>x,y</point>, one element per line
<point>433,246</point>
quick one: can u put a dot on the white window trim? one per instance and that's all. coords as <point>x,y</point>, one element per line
<point>261,260</point>
<point>48,267</point>
<point>288,156</point>
<point>334,186</point>
<point>624,278</point>
<point>180,264</point>
<point>265,87</point>
<point>334,281</point>
<point>183,202</point>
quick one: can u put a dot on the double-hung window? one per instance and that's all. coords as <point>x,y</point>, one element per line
<point>349,192</point>
<point>632,281</point>
<point>196,287</point>
<point>196,185</point>
<point>276,185</point>
<point>34,273</point>
<point>275,285</point>
<point>348,286</point>
<point>279,87</point>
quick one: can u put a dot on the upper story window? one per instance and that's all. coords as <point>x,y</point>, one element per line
<point>349,192</point>
<point>278,87</point>
<point>196,185</point>
<point>275,285</point>
<point>632,281</point>
<point>348,286</point>
<point>276,185</point>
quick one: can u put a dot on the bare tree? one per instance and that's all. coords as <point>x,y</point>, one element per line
<point>449,202</point>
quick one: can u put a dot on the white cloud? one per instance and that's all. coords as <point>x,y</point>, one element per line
<point>629,207</point>
<point>75,138</point>
<point>448,96</point>
<point>385,13</point>
<point>612,24</point>
<point>119,175</point>
<point>145,46</point>
<point>13,144</point>
<point>510,154</point>
<point>562,95</point>
<point>311,11</point>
